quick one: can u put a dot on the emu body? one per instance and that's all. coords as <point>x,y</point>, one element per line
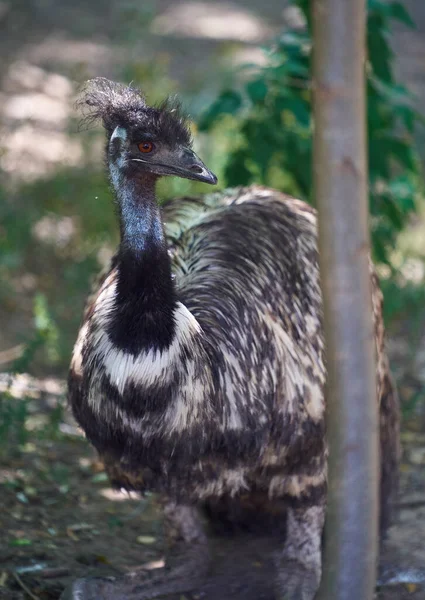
<point>236,397</point>
<point>199,370</point>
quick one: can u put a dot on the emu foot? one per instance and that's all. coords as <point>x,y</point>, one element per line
<point>296,581</point>
<point>185,575</point>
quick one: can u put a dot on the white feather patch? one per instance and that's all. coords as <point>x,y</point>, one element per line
<point>146,368</point>
<point>77,354</point>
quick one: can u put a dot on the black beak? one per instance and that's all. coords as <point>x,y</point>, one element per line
<point>196,168</point>
<point>189,166</point>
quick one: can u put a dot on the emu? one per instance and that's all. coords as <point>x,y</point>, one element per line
<point>199,371</point>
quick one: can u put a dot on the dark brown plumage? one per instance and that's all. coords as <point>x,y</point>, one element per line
<point>116,104</point>
<point>199,370</point>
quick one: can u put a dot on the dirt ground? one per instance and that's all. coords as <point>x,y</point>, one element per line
<point>61,521</point>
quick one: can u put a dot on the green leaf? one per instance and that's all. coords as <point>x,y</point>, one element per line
<point>402,152</point>
<point>298,69</point>
<point>403,193</point>
<point>298,107</point>
<point>378,158</point>
<point>399,12</point>
<point>146,539</point>
<point>256,90</point>
<point>114,521</point>
<point>237,172</point>
<point>379,52</point>
<point>229,102</point>
<point>392,212</point>
<point>99,477</point>
<point>21,542</point>
<point>261,144</point>
<point>380,253</point>
<point>408,117</point>
<point>275,128</point>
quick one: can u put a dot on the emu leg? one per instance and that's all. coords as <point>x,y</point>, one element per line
<point>186,566</point>
<point>299,566</point>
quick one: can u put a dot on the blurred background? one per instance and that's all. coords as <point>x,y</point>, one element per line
<point>242,69</point>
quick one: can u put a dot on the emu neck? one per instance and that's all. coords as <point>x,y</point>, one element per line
<point>145,300</point>
<point>141,228</point>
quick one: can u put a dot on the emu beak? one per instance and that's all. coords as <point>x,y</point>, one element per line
<point>189,166</point>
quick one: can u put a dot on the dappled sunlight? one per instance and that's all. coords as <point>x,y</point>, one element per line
<point>119,495</point>
<point>36,100</point>
<point>293,17</point>
<point>55,230</point>
<point>36,107</point>
<point>249,54</point>
<point>104,255</point>
<point>212,20</point>
<point>23,75</point>
<point>31,151</point>
<point>152,565</point>
<point>413,270</point>
<point>23,385</point>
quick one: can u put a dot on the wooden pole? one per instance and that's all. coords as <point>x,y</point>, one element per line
<point>340,179</point>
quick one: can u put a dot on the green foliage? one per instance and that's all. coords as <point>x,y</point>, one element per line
<point>13,416</point>
<point>273,108</point>
<point>405,299</point>
<point>60,266</point>
<point>45,336</point>
<point>14,412</point>
<point>22,421</point>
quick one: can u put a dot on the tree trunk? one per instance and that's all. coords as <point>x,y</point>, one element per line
<point>340,179</point>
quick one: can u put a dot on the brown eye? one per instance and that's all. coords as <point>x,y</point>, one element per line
<point>145,147</point>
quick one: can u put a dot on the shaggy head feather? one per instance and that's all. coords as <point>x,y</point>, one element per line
<point>116,104</point>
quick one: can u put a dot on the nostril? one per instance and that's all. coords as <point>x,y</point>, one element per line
<point>196,169</point>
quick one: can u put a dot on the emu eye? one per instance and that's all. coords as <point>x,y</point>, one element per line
<point>145,147</point>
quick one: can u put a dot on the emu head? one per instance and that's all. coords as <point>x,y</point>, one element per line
<point>142,139</point>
